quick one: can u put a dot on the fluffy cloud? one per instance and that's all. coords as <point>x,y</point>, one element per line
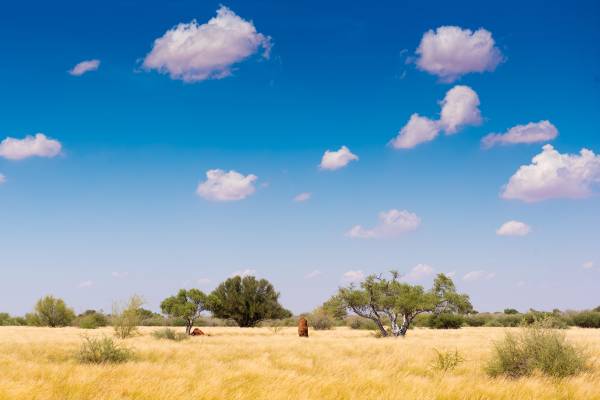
<point>313,274</point>
<point>353,276</point>
<point>302,197</point>
<point>531,133</point>
<point>419,272</point>
<point>451,52</point>
<point>84,66</point>
<point>391,223</point>
<point>555,175</point>
<point>337,159</point>
<point>226,186</point>
<point>243,273</point>
<point>193,52</point>
<point>460,107</point>
<point>417,130</point>
<point>513,228</point>
<point>588,265</point>
<point>30,146</point>
<point>478,275</point>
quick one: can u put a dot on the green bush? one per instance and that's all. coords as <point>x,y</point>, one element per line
<point>355,322</point>
<point>50,311</point>
<point>536,348</point>
<point>446,360</point>
<point>102,351</point>
<point>126,318</point>
<point>548,319</point>
<point>445,321</point>
<point>170,334</point>
<point>320,321</point>
<point>91,319</point>
<point>476,320</point>
<point>587,319</point>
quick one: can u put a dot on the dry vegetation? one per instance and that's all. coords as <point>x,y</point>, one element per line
<point>255,363</point>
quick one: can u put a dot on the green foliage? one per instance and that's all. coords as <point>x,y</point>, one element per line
<point>91,319</point>
<point>536,348</point>
<point>510,311</point>
<point>187,305</point>
<point>320,320</point>
<point>356,322</point>
<point>51,311</point>
<point>446,360</point>
<point>7,320</point>
<point>548,319</point>
<point>334,308</point>
<point>401,302</point>
<point>170,334</point>
<point>587,319</point>
<point>246,300</point>
<point>102,351</point>
<point>126,318</point>
<point>445,320</point>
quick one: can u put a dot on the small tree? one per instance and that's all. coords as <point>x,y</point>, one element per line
<point>335,308</point>
<point>187,304</point>
<point>400,302</point>
<point>125,319</point>
<point>247,301</point>
<point>53,312</point>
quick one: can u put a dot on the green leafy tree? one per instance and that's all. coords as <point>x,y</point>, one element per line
<point>378,299</point>
<point>335,308</point>
<point>510,311</point>
<point>53,312</point>
<point>126,318</point>
<point>187,304</point>
<point>247,301</point>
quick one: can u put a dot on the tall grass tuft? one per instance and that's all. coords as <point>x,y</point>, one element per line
<point>446,360</point>
<point>536,348</point>
<point>169,334</point>
<point>102,351</point>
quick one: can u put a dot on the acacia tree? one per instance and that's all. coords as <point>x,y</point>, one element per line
<point>247,301</point>
<point>378,298</point>
<point>53,312</point>
<point>187,304</point>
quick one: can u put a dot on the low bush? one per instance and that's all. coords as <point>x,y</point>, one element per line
<point>170,334</point>
<point>320,321</point>
<point>103,351</point>
<point>536,348</point>
<point>445,321</point>
<point>587,319</point>
<point>446,360</point>
<point>91,319</point>
<point>553,320</point>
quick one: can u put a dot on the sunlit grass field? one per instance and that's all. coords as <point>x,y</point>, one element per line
<point>256,363</point>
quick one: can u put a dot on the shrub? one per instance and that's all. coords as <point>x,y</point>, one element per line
<point>170,334</point>
<point>446,360</point>
<point>51,311</point>
<point>91,319</point>
<point>355,322</point>
<point>445,321</point>
<point>319,320</point>
<point>536,348</point>
<point>102,351</point>
<point>5,319</point>
<point>510,311</point>
<point>548,319</point>
<point>476,320</point>
<point>587,319</point>
<point>125,319</point>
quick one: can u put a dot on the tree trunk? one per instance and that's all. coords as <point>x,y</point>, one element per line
<point>188,327</point>
<point>405,325</point>
<point>396,331</point>
<point>381,327</point>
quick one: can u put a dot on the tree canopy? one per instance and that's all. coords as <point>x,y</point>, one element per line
<point>51,311</point>
<point>378,298</point>
<point>247,301</point>
<point>187,304</point>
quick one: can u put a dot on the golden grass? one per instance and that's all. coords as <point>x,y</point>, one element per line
<point>235,363</point>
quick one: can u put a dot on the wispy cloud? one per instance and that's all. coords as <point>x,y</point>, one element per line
<point>84,66</point>
<point>391,223</point>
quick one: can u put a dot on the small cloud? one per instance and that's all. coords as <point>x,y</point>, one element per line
<point>391,223</point>
<point>531,133</point>
<point>120,275</point>
<point>84,66</point>
<point>478,276</point>
<point>353,276</point>
<point>85,284</point>
<point>513,228</point>
<point>588,265</point>
<point>193,53</point>
<point>333,160</point>
<point>451,274</point>
<point>451,52</point>
<point>302,197</point>
<point>30,146</point>
<point>554,175</point>
<point>419,272</point>
<point>226,186</point>
<point>417,130</point>
<point>2,179</point>
<point>243,273</point>
<point>203,281</point>
<point>313,274</point>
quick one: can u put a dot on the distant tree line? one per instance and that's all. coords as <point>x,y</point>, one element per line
<point>388,306</point>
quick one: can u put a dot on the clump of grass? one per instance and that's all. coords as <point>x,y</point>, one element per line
<point>103,351</point>
<point>446,360</point>
<point>537,348</point>
<point>170,334</point>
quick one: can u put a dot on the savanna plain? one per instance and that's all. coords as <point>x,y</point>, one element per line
<point>260,363</point>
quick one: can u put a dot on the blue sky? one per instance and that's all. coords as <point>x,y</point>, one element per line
<point>116,210</point>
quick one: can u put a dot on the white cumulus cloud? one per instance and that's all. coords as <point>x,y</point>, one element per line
<point>460,107</point>
<point>391,223</point>
<point>313,274</point>
<point>226,186</point>
<point>478,275</point>
<point>193,52</point>
<point>531,133</point>
<point>513,228</point>
<point>419,272</point>
<point>451,52</point>
<point>84,66</point>
<point>30,146</point>
<point>304,196</point>
<point>337,159</point>
<point>353,276</point>
<point>417,130</point>
<point>555,175</point>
